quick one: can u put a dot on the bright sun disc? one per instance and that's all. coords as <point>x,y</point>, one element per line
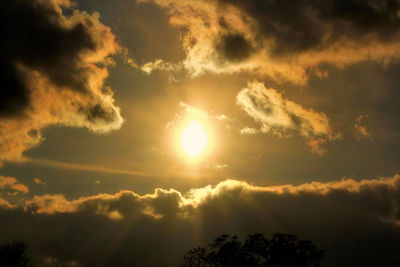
<point>194,139</point>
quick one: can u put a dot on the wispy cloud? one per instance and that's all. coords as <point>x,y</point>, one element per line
<point>38,181</point>
<point>360,127</point>
<point>283,117</point>
<point>102,169</point>
<point>86,167</point>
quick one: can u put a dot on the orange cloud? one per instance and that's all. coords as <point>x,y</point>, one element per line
<point>5,204</point>
<point>315,145</point>
<point>11,183</point>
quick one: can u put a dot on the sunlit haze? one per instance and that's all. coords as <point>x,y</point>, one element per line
<point>194,139</point>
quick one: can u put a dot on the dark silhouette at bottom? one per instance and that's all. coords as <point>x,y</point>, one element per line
<point>14,255</point>
<point>282,250</point>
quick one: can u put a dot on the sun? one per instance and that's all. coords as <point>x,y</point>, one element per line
<point>194,139</point>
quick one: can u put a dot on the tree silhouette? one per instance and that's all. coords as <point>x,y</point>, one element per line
<point>14,255</point>
<point>282,250</point>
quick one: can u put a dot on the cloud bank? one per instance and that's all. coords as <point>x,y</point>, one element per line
<point>52,72</point>
<point>119,228</point>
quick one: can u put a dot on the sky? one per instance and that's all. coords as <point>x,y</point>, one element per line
<point>295,107</point>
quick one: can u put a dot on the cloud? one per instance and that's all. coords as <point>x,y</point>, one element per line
<point>360,128</point>
<point>4,204</point>
<point>87,167</point>
<point>248,131</point>
<point>172,203</point>
<point>10,183</point>
<point>108,204</point>
<point>282,117</point>
<point>281,40</point>
<point>51,204</point>
<point>315,145</point>
<point>208,45</point>
<point>340,216</point>
<point>52,72</point>
<point>38,181</point>
<point>159,64</point>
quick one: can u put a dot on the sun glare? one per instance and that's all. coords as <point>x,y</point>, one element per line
<point>194,139</point>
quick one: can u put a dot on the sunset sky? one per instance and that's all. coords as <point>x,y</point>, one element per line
<point>132,131</point>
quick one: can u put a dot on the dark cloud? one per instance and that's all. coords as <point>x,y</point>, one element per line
<point>356,222</point>
<point>34,35</point>
<point>234,47</point>
<point>13,101</point>
<point>99,113</point>
<point>52,72</point>
<point>301,25</point>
